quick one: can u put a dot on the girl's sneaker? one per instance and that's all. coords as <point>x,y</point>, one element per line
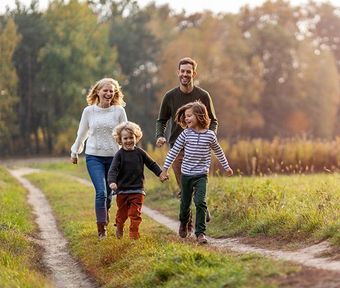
<point>201,239</point>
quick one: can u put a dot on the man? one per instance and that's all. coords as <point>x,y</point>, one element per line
<point>175,98</point>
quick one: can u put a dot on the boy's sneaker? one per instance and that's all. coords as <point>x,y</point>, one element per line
<point>183,230</point>
<point>119,232</point>
<point>201,239</point>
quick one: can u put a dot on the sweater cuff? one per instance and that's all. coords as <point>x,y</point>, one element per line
<point>74,155</point>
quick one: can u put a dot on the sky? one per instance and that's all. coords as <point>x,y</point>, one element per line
<point>191,6</point>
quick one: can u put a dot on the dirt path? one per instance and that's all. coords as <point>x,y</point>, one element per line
<point>65,271</point>
<point>317,272</point>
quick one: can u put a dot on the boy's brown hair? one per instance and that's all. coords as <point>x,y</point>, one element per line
<point>198,109</point>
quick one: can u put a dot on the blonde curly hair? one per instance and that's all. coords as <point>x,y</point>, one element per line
<point>117,99</point>
<point>130,127</point>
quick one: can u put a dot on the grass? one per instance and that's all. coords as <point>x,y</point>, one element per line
<point>19,256</point>
<point>296,207</point>
<point>158,259</point>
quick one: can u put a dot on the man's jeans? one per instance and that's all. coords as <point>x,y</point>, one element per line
<point>98,168</point>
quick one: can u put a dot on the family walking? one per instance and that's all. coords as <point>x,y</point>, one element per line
<point>116,165</point>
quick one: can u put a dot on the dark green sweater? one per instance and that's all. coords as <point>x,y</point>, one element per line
<point>175,99</point>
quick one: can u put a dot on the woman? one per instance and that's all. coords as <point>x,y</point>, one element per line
<point>104,113</point>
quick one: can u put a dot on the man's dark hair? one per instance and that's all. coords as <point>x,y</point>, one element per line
<point>188,60</point>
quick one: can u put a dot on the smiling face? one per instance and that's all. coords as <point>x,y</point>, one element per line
<point>186,75</point>
<point>105,95</point>
<point>191,119</point>
<point>128,140</point>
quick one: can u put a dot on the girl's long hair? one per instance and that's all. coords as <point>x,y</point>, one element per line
<point>198,109</point>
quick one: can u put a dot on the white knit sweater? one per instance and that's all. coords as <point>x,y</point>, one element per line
<point>96,125</point>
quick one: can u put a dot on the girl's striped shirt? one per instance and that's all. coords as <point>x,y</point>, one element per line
<point>197,152</point>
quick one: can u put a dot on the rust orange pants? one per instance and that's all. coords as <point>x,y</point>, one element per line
<point>130,206</point>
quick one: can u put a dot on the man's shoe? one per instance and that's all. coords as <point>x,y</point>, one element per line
<point>208,216</point>
<point>190,226</point>
<point>183,230</point>
<point>201,239</point>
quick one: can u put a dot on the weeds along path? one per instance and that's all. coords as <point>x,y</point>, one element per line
<point>65,271</point>
<point>310,256</point>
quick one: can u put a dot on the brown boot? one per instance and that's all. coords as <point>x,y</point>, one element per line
<point>101,227</point>
<point>183,230</point>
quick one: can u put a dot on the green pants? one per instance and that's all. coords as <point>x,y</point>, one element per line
<point>194,186</point>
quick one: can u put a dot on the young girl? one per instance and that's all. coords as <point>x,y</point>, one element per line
<point>126,177</point>
<point>197,141</point>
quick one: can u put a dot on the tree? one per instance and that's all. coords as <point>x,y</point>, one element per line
<point>76,55</point>
<point>138,53</point>
<point>271,31</point>
<point>32,28</point>
<point>9,39</point>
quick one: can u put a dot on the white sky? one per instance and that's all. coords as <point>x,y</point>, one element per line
<point>190,6</point>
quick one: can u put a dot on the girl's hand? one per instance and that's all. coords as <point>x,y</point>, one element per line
<point>163,177</point>
<point>74,160</point>
<point>113,186</point>
<point>229,171</point>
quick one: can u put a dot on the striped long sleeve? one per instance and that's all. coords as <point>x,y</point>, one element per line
<point>197,152</point>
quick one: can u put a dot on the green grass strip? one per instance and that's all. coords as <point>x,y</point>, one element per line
<point>19,256</point>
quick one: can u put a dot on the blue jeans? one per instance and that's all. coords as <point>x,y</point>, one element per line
<point>98,167</point>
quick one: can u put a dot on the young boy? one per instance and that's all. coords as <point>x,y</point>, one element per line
<point>126,177</point>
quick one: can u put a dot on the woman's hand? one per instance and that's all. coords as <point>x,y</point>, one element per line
<point>113,186</point>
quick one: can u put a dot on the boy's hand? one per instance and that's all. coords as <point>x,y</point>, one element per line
<point>160,141</point>
<point>164,175</point>
<point>113,186</point>
<point>229,171</point>
<point>74,160</point>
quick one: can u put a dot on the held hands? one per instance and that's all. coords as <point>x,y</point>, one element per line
<point>164,175</point>
<point>160,141</point>
<point>74,160</point>
<point>113,186</point>
<point>229,171</point>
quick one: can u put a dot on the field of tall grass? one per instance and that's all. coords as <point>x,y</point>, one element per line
<point>20,257</point>
<point>279,156</point>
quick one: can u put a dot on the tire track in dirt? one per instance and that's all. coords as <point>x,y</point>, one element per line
<point>65,271</point>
